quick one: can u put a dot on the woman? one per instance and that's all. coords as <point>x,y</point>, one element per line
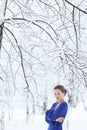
<point>55,116</point>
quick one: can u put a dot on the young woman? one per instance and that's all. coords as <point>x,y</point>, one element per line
<point>56,114</point>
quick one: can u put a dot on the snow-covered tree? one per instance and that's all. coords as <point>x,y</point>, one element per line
<point>42,43</point>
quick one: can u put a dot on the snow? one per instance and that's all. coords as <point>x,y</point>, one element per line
<point>76,116</point>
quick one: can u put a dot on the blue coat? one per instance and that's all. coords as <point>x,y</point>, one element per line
<point>52,114</point>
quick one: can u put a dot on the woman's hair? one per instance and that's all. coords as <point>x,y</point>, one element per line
<point>61,88</point>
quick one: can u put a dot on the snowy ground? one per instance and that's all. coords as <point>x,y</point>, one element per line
<point>77,121</point>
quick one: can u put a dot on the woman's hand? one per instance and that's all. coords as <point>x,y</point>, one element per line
<point>60,119</point>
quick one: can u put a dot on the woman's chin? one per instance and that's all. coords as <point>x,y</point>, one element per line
<point>58,100</point>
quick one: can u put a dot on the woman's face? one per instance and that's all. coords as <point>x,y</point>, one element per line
<point>59,95</point>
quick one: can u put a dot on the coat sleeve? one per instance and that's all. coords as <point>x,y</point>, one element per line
<point>59,112</point>
<point>48,114</point>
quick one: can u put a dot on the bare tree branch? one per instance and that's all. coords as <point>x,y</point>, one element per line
<point>76,7</point>
<point>75,30</point>
<point>2,24</point>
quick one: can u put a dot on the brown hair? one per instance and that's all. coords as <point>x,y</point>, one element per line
<point>61,88</point>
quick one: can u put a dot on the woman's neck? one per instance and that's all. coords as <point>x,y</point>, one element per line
<point>61,101</point>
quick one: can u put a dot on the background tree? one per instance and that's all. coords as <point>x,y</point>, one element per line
<point>42,43</point>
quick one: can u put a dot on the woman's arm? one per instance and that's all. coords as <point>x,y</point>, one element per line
<point>60,112</point>
<point>58,115</point>
<point>48,113</point>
